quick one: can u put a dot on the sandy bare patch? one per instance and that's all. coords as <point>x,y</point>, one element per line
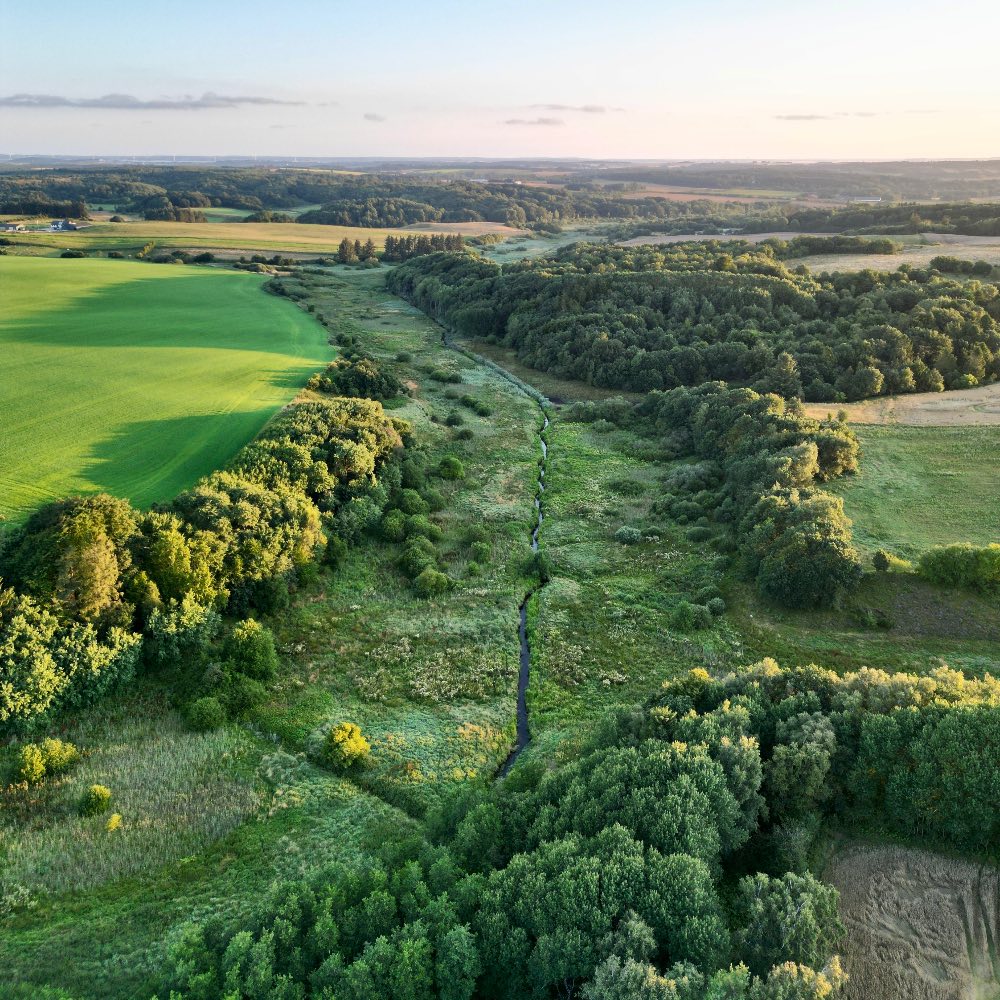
<point>955,408</point>
<point>920,926</point>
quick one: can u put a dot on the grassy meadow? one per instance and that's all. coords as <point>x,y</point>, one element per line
<point>923,486</point>
<point>137,380</point>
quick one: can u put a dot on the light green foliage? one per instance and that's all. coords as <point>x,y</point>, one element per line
<point>31,764</point>
<point>249,650</point>
<point>138,390</point>
<point>964,565</point>
<point>96,799</point>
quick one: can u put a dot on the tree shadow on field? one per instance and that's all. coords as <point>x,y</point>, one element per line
<point>151,461</point>
<point>176,311</point>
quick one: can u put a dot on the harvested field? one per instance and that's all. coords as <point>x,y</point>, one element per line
<point>919,926</point>
<point>955,408</point>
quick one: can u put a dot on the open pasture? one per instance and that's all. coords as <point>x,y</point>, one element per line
<point>134,379</point>
<point>955,408</point>
<point>923,486</point>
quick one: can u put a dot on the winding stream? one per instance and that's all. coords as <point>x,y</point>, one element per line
<point>523,737</point>
<point>523,734</point>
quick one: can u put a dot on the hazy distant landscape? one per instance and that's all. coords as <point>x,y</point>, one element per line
<point>495,504</point>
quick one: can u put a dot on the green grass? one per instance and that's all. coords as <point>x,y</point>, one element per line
<point>137,379</point>
<point>923,486</point>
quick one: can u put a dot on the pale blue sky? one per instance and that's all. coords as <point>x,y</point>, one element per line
<point>673,78</point>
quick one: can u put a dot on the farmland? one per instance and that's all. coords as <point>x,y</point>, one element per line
<point>231,237</point>
<point>137,380</point>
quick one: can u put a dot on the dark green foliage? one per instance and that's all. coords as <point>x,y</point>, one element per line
<point>205,714</point>
<point>451,467</point>
<point>787,919</point>
<point>357,376</point>
<point>249,650</point>
<point>642,318</point>
<point>973,567</point>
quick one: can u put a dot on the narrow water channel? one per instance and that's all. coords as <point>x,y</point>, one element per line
<point>523,737</point>
<point>523,734</point>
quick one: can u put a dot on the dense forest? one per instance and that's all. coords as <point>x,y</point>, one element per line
<point>346,199</point>
<point>641,318</point>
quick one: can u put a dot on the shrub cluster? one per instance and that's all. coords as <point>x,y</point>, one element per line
<point>759,463</point>
<point>357,375</point>
<point>971,567</point>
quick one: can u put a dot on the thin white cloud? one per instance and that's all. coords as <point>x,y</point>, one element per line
<point>126,102</point>
<point>587,109</point>
<point>371,116</point>
<point>534,121</point>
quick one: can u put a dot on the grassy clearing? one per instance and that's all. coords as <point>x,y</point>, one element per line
<point>924,486</point>
<point>137,379</point>
<point>175,791</point>
<point>601,628</point>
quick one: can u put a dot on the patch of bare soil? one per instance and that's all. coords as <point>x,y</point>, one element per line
<point>954,408</point>
<point>919,926</point>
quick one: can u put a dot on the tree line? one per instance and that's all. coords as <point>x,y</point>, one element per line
<point>641,318</point>
<point>91,584</point>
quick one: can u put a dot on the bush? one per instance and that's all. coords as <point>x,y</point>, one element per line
<point>345,748</point>
<point>481,551</point>
<point>96,799</point>
<point>454,419</point>
<point>31,764</point>
<point>205,714</point>
<point>59,756</point>
<point>971,567</point>
<point>72,254</point>
<point>451,467</point>
<point>116,254</point>
<point>404,356</point>
<point>464,434</point>
<point>628,536</point>
<point>335,552</point>
<point>241,694</point>
<point>688,617</point>
<point>394,526</point>
<point>418,524</point>
<point>411,502</point>
<point>250,650</point>
<point>431,582</point>
<point>881,561</point>
<point>716,606</point>
<point>699,534</point>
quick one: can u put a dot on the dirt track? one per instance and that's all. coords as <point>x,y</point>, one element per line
<point>920,926</point>
<point>957,408</point>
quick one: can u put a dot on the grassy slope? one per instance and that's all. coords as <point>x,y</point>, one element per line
<point>924,486</point>
<point>137,379</point>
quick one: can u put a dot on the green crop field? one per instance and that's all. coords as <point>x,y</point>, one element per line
<point>924,486</point>
<point>136,379</point>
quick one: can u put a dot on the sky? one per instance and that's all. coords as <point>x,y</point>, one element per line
<point>657,79</point>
